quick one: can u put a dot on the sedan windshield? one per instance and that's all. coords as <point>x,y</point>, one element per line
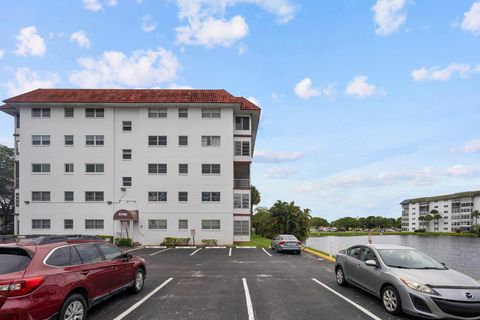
<point>409,259</point>
<point>288,237</point>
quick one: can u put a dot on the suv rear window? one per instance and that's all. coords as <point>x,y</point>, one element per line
<point>64,256</point>
<point>13,260</point>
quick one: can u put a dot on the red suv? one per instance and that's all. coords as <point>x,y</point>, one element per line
<point>62,277</point>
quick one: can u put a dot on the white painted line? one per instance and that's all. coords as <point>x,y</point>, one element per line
<point>266,252</point>
<point>195,251</point>
<point>136,305</point>
<point>246,247</point>
<point>359,307</point>
<point>216,247</point>
<point>155,247</point>
<point>230,252</point>
<point>134,249</point>
<point>154,253</point>
<point>185,247</point>
<point>251,315</point>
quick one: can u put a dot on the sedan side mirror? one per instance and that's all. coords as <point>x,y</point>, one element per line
<point>371,263</point>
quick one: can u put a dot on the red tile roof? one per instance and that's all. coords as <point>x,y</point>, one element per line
<point>131,96</point>
<point>5,107</point>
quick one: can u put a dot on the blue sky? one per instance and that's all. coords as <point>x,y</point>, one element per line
<point>364,103</point>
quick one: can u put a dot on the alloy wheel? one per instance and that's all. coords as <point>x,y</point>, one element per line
<point>139,280</point>
<point>74,311</point>
<point>390,300</point>
<point>340,276</point>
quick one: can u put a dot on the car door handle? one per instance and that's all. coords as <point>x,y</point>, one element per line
<point>114,268</point>
<point>84,272</point>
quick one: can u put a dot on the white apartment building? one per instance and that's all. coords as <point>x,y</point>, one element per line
<point>456,211</point>
<point>146,164</point>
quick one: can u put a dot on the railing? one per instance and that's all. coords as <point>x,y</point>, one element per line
<point>241,183</point>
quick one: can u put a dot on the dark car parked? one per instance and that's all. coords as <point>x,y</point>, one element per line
<point>62,277</point>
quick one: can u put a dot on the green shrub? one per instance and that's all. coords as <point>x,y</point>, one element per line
<point>209,242</point>
<point>420,230</point>
<point>182,241</point>
<point>171,241</point>
<point>123,242</point>
<point>107,238</point>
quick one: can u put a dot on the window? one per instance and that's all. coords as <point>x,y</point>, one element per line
<point>157,168</point>
<point>68,196</point>
<point>41,167</point>
<point>127,126</point>
<point>40,140</point>
<point>182,196</point>
<point>63,257</point>
<point>93,195</point>
<point>94,224</point>
<point>183,224</point>
<point>210,196</point>
<point>210,141</point>
<point>40,223</point>
<point>68,140</point>
<point>94,168</point>
<point>242,123</point>
<point>210,112</point>
<point>40,195</point>
<point>241,201</point>
<point>355,252</point>
<point>210,224</point>
<point>17,121</point>
<point>157,140</point>
<point>94,140</point>
<point>183,168</point>
<point>368,254</point>
<point>88,253</point>
<point>242,148</point>
<point>17,199</point>
<point>183,140</point>
<point>68,112</point>
<point>182,112</point>
<point>69,167</point>
<point>158,224</point>
<point>208,168</point>
<point>157,196</point>
<point>40,112</point>
<point>94,113</point>
<point>127,181</point>
<point>110,252</point>
<point>68,223</point>
<point>157,112</point>
<point>241,228</point>
<point>127,154</point>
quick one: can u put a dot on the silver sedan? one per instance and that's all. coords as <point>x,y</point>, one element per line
<point>286,242</point>
<point>410,281</point>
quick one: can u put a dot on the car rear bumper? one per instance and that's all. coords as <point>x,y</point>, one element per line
<point>290,248</point>
<point>24,308</point>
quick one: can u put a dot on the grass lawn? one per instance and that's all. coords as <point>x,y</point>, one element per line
<point>256,241</point>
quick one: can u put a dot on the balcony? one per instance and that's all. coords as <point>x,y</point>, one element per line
<point>241,176</point>
<point>241,183</point>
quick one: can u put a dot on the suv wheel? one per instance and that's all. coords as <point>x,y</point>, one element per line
<point>74,308</point>
<point>340,277</point>
<point>391,300</point>
<point>139,280</point>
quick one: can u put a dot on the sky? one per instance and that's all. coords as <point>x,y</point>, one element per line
<point>364,103</point>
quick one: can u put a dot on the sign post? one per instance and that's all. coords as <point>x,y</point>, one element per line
<point>192,233</point>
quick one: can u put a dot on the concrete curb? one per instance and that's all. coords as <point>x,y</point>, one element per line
<point>319,255</point>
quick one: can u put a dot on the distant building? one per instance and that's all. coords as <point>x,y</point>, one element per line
<point>146,164</point>
<point>456,211</point>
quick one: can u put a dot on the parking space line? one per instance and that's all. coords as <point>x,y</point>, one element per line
<point>230,252</point>
<point>142,247</point>
<point>195,251</point>
<point>245,247</point>
<point>154,253</point>
<point>266,252</point>
<point>251,315</point>
<point>359,307</point>
<point>136,305</point>
<point>216,247</point>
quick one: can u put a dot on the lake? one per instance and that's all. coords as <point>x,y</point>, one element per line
<point>459,253</point>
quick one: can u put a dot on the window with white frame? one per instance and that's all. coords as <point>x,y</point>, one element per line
<point>209,196</point>
<point>40,224</point>
<point>69,167</point>
<point>210,168</point>
<point>40,195</point>
<point>242,123</point>
<point>212,224</point>
<point>94,140</point>
<point>40,167</point>
<point>183,168</point>
<point>68,196</point>
<point>40,140</point>
<point>183,141</point>
<point>127,154</point>
<point>157,168</point>
<point>242,148</point>
<point>126,126</point>
<point>93,224</point>
<point>94,168</point>
<point>40,112</point>
<point>182,196</point>
<point>241,201</point>
<point>210,141</point>
<point>157,112</point>
<point>68,112</point>
<point>127,181</point>
<point>183,112</point>
<point>94,196</point>
<point>68,140</point>
<point>211,112</point>
<point>94,112</point>
<point>157,196</point>
<point>157,140</point>
<point>241,228</point>
<point>157,224</point>
<point>68,223</point>
<point>183,224</point>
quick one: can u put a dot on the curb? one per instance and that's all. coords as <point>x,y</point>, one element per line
<point>328,258</point>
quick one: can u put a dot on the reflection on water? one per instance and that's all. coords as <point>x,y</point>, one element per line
<point>459,253</point>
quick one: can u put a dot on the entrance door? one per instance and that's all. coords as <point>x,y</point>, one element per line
<point>125,231</point>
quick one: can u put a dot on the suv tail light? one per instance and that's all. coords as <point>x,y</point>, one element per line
<point>21,287</point>
<point>281,243</point>
<point>299,243</point>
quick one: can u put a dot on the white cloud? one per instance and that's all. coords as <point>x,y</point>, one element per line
<point>176,86</point>
<point>471,20</point>
<point>7,141</point>
<point>469,147</point>
<point>2,53</point>
<point>254,100</point>
<point>304,89</point>
<point>360,88</point>
<point>80,37</point>
<point>115,69</point>
<point>148,25</point>
<point>30,43</point>
<point>112,3</point>
<point>435,74</point>
<point>329,91</point>
<point>283,9</point>
<point>27,80</point>
<point>92,5</point>
<point>279,173</point>
<point>389,16</point>
<point>277,157</point>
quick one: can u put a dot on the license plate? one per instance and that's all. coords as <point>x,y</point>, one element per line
<point>291,244</point>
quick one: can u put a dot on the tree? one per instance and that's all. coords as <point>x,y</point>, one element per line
<point>254,197</point>
<point>7,186</point>
<point>475,215</point>
<point>428,218</point>
<point>435,217</point>
<point>317,222</point>
<point>346,223</point>
<point>422,220</point>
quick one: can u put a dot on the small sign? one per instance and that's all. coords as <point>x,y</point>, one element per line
<point>192,232</point>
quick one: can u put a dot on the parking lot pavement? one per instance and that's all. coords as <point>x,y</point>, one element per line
<point>239,283</point>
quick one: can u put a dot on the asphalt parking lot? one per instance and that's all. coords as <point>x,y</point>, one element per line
<point>238,283</point>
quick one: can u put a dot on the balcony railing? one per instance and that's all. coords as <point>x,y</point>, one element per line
<point>241,183</point>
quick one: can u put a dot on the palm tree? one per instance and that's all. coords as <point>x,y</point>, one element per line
<point>422,219</point>
<point>435,217</point>
<point>428,218</point>
<point>476,214</point>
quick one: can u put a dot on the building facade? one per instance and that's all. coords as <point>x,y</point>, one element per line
<point>143,164</point>
<point>455,211</point>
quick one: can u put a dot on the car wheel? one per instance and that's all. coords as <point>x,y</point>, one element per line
<point>391,300</point>
<point>74,308</point>
<point>340,277</point>
<point>139,281</point>
<point>299,252</point>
